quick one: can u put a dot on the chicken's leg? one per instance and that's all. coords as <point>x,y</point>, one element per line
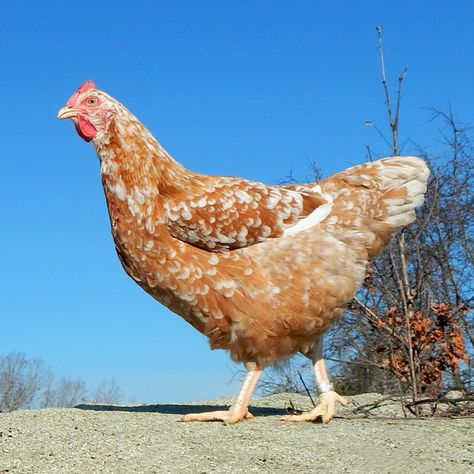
<point>327,396</point>
<point>239,410</point>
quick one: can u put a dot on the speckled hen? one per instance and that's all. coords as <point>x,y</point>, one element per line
<point>262,271</point>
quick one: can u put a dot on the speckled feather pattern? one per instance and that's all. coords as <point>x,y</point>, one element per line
<point>223,213</point>
<point>214,249</point>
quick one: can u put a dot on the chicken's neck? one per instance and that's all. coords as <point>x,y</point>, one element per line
<point>134,163</point>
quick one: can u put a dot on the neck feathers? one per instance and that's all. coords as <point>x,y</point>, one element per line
<point>129,153</point>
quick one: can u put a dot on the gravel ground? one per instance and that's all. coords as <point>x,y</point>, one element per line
<point>149,439</point>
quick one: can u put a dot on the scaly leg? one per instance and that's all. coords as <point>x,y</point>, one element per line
<point>239,410</point>
<point>327,396</point>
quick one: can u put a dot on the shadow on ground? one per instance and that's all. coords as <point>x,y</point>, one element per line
<point>171,409</point>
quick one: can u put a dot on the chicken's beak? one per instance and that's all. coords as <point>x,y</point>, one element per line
<point>67,112</point>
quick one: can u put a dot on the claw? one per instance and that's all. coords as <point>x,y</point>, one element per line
<point>326,409</point>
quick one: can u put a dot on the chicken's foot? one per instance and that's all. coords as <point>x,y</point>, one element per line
<point>325,410</point>
<point>327,396</point>
<point>239,410</point>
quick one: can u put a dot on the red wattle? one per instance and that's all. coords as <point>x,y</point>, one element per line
<point>85,129</point>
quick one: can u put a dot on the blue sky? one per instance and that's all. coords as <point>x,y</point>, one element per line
<point>246,88</point>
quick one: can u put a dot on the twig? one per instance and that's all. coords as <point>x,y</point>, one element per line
<point>368,407</point>
<point>449,401</point>
<point>306,388</point>
<point>292,409</point>
<point>372,318</point>
<point>369,153</point>
<point>393,119</point>
<point>402,280</point>
<point>384,78</point>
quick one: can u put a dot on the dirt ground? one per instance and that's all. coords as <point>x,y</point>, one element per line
<point>149,439</point>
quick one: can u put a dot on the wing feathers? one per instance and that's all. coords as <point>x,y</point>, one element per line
<point>317,216</point>
<point>231,213</point>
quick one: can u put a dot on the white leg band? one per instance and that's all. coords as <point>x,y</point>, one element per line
<point>325,387</point>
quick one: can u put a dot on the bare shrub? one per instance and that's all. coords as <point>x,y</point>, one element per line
<point>28,383</point>
<point>413,315</point>
<point>410,329</point>
<point>107,392</point>
<point>67,393</point>
<point>21,381</point>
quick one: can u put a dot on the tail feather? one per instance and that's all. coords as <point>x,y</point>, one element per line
<point>379,197</point>
<point>376,199</point>
<point>403,182</point>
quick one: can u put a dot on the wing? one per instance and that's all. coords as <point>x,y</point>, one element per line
<point>221,214</point>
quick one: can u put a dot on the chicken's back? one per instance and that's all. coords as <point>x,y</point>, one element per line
<point>378,197</point>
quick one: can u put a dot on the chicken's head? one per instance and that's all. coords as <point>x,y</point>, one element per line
<point>90,109</point>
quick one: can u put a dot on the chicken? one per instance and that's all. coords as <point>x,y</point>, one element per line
<point>262,271</point>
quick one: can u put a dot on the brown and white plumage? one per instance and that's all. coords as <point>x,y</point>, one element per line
<point>262,271</point>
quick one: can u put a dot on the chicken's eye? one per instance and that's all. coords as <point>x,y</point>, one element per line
<point>91,100</point>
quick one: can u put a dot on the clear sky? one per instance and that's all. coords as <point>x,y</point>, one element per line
<point>246,88</point>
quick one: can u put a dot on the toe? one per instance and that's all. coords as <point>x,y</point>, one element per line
<point>293,417</point>
<point>329,413</point>
<point>229,417</point>
<point>206,416</point>
<point>343,401</point>
<point>312,415</point>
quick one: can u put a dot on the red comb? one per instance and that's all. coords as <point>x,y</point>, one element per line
<point>88,85</point>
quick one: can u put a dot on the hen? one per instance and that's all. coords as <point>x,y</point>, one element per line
<point>262,271</point>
